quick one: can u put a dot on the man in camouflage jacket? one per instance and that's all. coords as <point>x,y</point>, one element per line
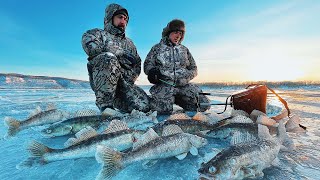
<point>170,66</point>
<point>114,64</point>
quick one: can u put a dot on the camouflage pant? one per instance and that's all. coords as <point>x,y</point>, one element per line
<point>111,89</point>
<point>164,96</point>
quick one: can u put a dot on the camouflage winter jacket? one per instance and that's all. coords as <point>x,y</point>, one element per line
<point>175,62</point>
<point>112,40</point>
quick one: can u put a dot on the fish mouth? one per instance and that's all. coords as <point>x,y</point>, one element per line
<point>205,177</point>
<point>47,135</point>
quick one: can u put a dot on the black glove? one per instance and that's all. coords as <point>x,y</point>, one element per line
<point>130,58</point>
<point>154,76</point>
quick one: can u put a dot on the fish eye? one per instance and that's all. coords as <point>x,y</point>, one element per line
<point>212,169</point>
<point>48,131</point>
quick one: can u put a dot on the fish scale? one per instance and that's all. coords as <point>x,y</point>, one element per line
<point>188,126</point>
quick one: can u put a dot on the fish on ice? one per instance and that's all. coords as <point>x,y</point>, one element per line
<point>151,147</point>
<point>117,136</point>
<point>245,159</point>
<point>37,118</point>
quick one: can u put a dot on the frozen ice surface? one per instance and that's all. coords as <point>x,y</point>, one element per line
<point>302,163</point>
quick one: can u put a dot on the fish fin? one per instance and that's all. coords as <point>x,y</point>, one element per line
<point>145,138</point>
<point>30,162</point>
<point>13,125</point>
<point>283,137</point>
<point>135,112</point>
<point>263,132</point>
<point>37,149</point>
<point>199,116</point>
<point>111,161</point>
<point>255,113</point>
<point>204,132</point>
<point>85,112</point>
<point>148,164</point>
<point>283,114</point>
<point>265,120</point>
<point>178,116</point>
<point>293,123</point>
<point>51,106</point>
<point>240,119</point>
<point>194,151</point>
<point>239,138</point>
<point>238,112</point>
<point>154,117</point>
<point>171,129</point>
<point>276,162</point>
<point>116,125</point>
<point>36,111</point>
<point>82,135</point>
<point>259,174</point>
<point>181,156</point>
<point>112,113</point>
<point>248,171</point>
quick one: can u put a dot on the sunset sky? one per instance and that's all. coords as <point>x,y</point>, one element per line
<point>243,40</point>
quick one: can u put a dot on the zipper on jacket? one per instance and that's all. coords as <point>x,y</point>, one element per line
<point>174,66</point>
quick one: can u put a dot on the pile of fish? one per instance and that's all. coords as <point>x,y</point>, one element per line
<point>117,140</point>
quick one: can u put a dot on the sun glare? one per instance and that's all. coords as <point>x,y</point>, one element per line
<point>276,70</point>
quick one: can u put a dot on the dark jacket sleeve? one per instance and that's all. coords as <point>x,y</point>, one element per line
<point>92,42</point>
<point>150,61</point>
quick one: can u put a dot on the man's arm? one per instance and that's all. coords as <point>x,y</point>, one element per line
<point>191,71</point>
<point>150,61</point>
<point>92,42</point>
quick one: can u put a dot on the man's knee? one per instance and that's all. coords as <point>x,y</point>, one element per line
<point>106,58</point>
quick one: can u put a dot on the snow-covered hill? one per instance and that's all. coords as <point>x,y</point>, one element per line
<point>13,81</point>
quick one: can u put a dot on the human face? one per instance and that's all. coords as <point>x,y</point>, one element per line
<point>120,21</point>
<point>175,36</point>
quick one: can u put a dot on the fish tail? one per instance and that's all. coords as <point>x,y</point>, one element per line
<point>154,117</point>
<point>111,160</point>
<point>37,150</point>
<point>282,133</point>
<point>13,125</point>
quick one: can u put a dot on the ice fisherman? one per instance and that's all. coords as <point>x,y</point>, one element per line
<point>170,66</point>
<point>114,64</point>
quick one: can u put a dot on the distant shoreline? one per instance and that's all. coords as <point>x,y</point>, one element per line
<point>20,81</point>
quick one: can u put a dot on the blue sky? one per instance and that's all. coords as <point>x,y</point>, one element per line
<point>230,40</point>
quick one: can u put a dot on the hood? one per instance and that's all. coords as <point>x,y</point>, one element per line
<point>109,13</point>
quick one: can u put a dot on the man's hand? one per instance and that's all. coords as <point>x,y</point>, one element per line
<point>130,58</point>
<point>154,76</point>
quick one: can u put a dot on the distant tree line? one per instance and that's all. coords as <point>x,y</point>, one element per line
<point>281,84</point>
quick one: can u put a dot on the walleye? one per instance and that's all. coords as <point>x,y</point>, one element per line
<point>36,118</point>
<point>136,118</point>
<point>86,118</point>
<point>228,131</point>
<point>187,125</point>
<point>245,160</point>
<point>117,136</point>
<point>81,119</point>
<point>149,148</point>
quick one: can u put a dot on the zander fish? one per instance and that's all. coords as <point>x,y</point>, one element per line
<point>173,142</point>
<point>117,136</point>
<point>36,118</point>
<point>245,159</point>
